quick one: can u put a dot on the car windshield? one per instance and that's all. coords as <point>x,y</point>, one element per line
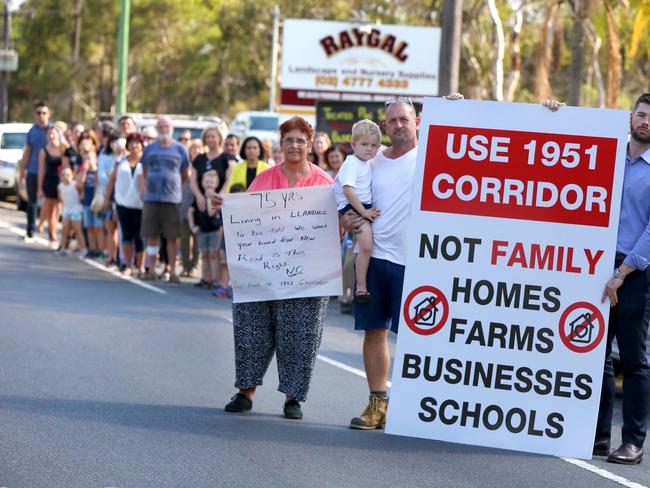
<point>13,140</point>
<point>196,133</point>
<point>264,123</point>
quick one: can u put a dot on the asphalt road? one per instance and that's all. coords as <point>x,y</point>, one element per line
<point>107,384</point>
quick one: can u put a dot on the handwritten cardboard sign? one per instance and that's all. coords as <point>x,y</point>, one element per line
<point>283,244</point>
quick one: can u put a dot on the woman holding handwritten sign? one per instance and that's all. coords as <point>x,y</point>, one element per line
<point>290,328</point>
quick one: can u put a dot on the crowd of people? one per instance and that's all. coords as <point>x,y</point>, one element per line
<point>133,199</point>
<point>162,190</point>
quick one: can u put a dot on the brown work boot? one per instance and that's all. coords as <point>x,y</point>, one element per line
<point>374,416</point>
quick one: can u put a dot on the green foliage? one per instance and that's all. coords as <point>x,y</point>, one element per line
<point>213,56</point>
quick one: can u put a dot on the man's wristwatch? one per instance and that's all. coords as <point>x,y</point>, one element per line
<point>618,274</point>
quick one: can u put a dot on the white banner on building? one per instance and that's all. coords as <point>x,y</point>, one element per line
<point>283,244</point>
<point>325,60</point>
<point>512,237</point>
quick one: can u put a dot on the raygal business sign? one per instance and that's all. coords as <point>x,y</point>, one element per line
<point>322,60</point>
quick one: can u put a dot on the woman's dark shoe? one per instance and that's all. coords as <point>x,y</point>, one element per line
<point>292,410</point>
<point>239,403</point>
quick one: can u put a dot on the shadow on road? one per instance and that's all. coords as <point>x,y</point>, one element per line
<point>249,427</point>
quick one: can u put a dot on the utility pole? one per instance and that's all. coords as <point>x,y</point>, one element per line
<point>123,56</point>
<point>274,58</point>
<point>8,62</point>
<point>452,20</point>
<point>4,92</point>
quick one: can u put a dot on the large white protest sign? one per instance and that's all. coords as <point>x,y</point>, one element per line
<point>512,237</point>
<point>283,244</point>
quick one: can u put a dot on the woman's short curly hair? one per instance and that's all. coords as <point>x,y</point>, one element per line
<point>297,123</point>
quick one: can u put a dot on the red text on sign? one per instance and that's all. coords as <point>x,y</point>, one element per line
<point>550,257</point>
<point>521,175</point>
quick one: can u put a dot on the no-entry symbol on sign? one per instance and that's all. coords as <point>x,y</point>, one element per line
<point>426,310</point>
<point>582,327</point>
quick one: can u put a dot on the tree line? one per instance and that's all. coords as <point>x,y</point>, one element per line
<point>213,56</point>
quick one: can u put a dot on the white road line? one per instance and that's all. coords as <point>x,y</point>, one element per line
<point>342,366</point>
<point>604,473</point>
<point>355,371</point>
<point>46,243</point>
<point>119,275</point>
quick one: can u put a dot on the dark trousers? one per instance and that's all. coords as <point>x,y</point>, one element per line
<point>31,181</point>
<point>130,220</point>
<point>628,322</point>
<point>189,247</point>
<point>162,251</point>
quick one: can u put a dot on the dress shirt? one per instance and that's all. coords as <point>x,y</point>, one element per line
<point>634,222</point>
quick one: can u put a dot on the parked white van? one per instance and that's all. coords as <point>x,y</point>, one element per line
<point>12,141</point>
<point>263,125</point>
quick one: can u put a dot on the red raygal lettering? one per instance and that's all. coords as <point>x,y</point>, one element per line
<point>358,38</point>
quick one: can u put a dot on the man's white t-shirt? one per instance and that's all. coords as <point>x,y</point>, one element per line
<point>392,187</point>
<point>357,174</point>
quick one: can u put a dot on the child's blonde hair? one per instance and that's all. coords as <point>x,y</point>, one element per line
<point>196,144</point>
<point>66,171</point>
<point>210,174</point>
<point>364,128</point>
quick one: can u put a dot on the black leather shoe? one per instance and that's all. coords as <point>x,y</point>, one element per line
<point>239,403</point>
<point>292,410</point>
<point>626,454</point>
<point>602,448</point>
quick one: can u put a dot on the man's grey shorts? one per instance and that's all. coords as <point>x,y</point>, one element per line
<point>161,218</point>
<point>208,241</point>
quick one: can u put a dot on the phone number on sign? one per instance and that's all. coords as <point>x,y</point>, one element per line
<point>361,82</point>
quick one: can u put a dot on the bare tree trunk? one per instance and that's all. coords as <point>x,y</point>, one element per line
<point>76,50</point>
<point>475,94</point>
<point>101,84</point>
<point>500,51</point>
<point>515,57</point>
<point>596,42</point>
<point>452,16</point>
<point>614,61</point>
<point>580,14</point>
<point>543,88</point>
<point>225,81</point>
<point>558,41</point>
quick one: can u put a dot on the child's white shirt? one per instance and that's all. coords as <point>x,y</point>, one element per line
<point>355,173</point>
<point>70,197</point>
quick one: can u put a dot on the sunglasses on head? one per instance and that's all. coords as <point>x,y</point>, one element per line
<point>393,100</point>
